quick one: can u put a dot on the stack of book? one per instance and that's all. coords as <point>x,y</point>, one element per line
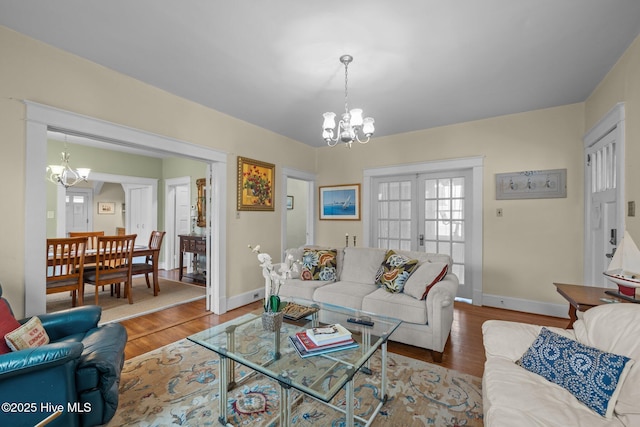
<point>321,340</point>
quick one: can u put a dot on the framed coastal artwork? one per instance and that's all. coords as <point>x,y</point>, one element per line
<point>340,202</point>
<point>256,185</point>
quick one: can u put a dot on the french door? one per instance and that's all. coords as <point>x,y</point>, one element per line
<point>428,212</point>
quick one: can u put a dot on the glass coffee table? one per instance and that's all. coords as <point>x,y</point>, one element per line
<point>244,341</point>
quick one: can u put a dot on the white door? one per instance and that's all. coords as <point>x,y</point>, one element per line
<point>139,213</point>
<point>426,212</point>
<point>181,220</point>
<point>444,213</point>
<point>602,201</point>
<point>78,203</point>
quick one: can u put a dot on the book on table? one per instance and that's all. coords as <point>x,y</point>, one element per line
<point>303,352</point>
<point>309,345</point>
<point>328,334</point>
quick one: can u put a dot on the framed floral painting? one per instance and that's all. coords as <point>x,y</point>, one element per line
<point>256,185</point>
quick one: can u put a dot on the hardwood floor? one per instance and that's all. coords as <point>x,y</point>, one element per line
<point>464,351</point>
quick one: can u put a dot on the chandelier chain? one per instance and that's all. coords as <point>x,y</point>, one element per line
<point>346,91</point>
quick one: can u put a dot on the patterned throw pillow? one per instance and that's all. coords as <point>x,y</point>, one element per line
<point>394,271</point>
<point>319,264</point>
<point>29,335</point>
<point>593,376</point>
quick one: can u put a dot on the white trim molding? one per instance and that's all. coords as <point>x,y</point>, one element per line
<point>42,118</point>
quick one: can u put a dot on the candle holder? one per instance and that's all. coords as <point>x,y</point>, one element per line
<point>354,241</point>
<point>346,238</point>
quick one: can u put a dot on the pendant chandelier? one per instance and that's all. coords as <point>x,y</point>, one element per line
<point>352,127</point>
<point>63,174</point>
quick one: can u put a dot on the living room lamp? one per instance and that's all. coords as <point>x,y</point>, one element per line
<point>352,127</point>
<point>63,174</point>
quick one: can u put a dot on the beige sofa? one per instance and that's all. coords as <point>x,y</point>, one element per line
<point>514,396</point>
<point>426,322</point>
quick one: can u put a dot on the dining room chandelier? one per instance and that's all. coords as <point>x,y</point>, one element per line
<point>64,175</point>
<point>352,127</point>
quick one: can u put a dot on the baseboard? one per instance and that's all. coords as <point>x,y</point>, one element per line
<point>498,301</point>
<point>527,306</point>
<point>245,298</point>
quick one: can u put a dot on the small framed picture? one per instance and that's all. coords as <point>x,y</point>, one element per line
<point>289,202</point>
<point>106,208</point>
<point>340,202</point>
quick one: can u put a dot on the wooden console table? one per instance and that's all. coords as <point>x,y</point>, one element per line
<point>197,245</point>
<point>582,298</point>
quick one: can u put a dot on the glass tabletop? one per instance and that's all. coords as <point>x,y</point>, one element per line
<point>244,340</point>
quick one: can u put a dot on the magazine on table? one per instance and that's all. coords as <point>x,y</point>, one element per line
<point>309,345</point>
<point>303,352</point>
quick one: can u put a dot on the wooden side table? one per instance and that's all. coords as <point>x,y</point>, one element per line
<point>197,245</point>
<point>582,298</point>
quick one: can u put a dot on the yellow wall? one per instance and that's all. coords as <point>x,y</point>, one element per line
<point>537,241</point>
<point>37,72</point>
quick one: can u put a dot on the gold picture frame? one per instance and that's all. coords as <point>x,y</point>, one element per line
<point>201,202</point>
<point>256,185</point>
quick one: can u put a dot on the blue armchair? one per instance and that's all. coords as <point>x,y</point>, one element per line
<point>78,371</point>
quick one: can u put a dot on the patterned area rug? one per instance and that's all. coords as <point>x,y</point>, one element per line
<point>178,385</point>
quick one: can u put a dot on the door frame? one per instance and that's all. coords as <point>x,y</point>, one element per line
<point>311,205</point>
<point>170,218</point>
<point>39,119</point>
<point>613,121</point>
<point>476,165</point>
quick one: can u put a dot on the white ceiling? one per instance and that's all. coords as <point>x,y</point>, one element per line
<point>417,63</point>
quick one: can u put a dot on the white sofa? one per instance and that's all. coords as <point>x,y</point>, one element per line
<point>513,396</point>
<point>426,323</point>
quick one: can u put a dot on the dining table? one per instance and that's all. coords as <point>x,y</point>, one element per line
<point>91,257</point>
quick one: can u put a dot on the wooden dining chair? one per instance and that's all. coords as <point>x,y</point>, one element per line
<point>149,266</point>
<point>92,237</point>
<point>113,264</point>
<point>65,267</point>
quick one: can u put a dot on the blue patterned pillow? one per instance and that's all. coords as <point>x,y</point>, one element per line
<point>593,376</point>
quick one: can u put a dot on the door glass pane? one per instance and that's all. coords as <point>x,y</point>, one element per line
<point>458,252</point>
<point>394,210</point>
<point>394,229</point>
<point>457,230</point>
<point>394,190</point>
<point>405,210</point>
<point>430,188</point>
<point>383,210</point>
<point>394,214</point>
<point>444,188</point>
<point>430,209</point>
<point>430,230</point>
<point>405,230</point>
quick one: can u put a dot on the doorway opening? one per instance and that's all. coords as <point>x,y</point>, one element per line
<point>42,119</point>
<point>298,226</point>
